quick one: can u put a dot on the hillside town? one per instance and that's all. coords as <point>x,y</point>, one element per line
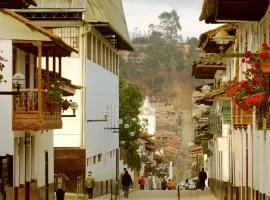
<point>92,110</point>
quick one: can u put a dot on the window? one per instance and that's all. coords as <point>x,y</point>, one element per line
<point>70,35</point>
<point>99,157</point>
<point>111,153</point>
<point>89,45</point>
<point>99,50</point>
<point>94,49</point>
<point>94,159</point>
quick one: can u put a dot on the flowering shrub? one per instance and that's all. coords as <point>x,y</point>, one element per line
<point>255,82</point>
<point>55,93</point>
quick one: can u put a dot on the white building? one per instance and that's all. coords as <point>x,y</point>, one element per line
<point>148,115</point>
<point>98,30</point>
<point>27,123</point>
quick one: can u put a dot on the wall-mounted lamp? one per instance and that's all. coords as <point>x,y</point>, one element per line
<point>222,38</point>
<point>18,80</point>
<point>100,120</point>
<point>74,106</point>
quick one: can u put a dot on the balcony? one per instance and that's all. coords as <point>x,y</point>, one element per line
<point>31,113</point>
<point>240,117</point>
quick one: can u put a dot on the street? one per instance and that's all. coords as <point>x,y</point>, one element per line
<point>167,195</point>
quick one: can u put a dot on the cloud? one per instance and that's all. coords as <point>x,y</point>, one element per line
<point>141,13</point>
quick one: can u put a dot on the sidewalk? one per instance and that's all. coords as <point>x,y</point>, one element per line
<point>108,197</point>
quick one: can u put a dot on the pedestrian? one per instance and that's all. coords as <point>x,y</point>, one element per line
<point>150,183</point>
<point>202,178</point>
<point>169,184</point>
<point>89,185</point>
<point>141,183</point>
<point>164,184</point>
<point>126,182</point>
<point>60,185</point>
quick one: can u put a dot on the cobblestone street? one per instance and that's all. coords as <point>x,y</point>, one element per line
<point>167,195</point>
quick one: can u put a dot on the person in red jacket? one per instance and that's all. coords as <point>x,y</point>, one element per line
<point>142,183</point>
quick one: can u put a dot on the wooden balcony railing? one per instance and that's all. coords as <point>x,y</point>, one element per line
<point>27,116</point>
<point>240,117</point>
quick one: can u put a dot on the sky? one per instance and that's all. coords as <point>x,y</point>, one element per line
<point>141,13</point>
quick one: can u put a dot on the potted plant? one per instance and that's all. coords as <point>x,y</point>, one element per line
<point>66,104</point>
<point>54,98</point>
<point>261,60</point>
<point>252,91</point>
<point>232,87</point>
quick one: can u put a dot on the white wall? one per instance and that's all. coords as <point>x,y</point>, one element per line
<point>44,142</point>
<point>71,132</point>
<point>6,142</point>
<point>102,95</point>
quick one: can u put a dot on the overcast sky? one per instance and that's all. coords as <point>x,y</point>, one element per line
<point>141,13</point>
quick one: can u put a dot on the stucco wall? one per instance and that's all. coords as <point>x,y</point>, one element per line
<point>6,144</point>
<point>71,132</point>
<point>43,143</point>
<point>102,95</point>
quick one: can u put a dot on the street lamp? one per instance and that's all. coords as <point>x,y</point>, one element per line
<point>74,106</point>
<point>222,38</point>
<point>18,80</point>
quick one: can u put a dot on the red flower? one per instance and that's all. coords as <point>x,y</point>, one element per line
<point>248,54</point>
<point>243,83</point>
<point>257,65</point>
<point>264,46</point>
<point>243,60</point>
<point>263,55</point>
<point>251,59</point>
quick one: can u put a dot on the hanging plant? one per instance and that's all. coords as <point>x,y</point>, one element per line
<point>2,66</point>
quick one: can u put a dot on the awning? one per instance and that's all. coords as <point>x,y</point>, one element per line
<point>217,95</point>
<point>210,46</point>
<point>17,3</point>
<point>206,66</point>
<point>108,17</point>
<point>217,11</point>
<point>23,29</point>
<point>68,89</point>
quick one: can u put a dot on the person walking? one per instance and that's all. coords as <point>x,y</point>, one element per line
<point>60,185</point>
<point>126,182</point>
<point>142,183</point>
<point>89,185</point>
<point>169,184</point>
<point>164,184</point>
<point>202,178</point>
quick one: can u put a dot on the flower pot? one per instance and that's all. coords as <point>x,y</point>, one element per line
<point>244,107</point>
<point>65,106</point>
<point>232,89</point>
<point>52,106</point>
<point>254,100</point>
<point>265,66</point>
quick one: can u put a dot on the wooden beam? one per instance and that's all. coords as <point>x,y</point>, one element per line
<point>60,68</point>
<point>39,75</point>
<point>47,72</point>
<point>54,69</point>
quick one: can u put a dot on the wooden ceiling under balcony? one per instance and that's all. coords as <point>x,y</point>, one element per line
<point>217,11</point>
<point>206,66</point>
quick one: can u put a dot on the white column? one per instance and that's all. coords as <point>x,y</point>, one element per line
<point>22,161</point>
<point>27,157</point>
<point>16,162</point>
<point>33,156</point>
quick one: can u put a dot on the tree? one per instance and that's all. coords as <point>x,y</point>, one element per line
<point>170,25</point>
<point>130,97</point>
